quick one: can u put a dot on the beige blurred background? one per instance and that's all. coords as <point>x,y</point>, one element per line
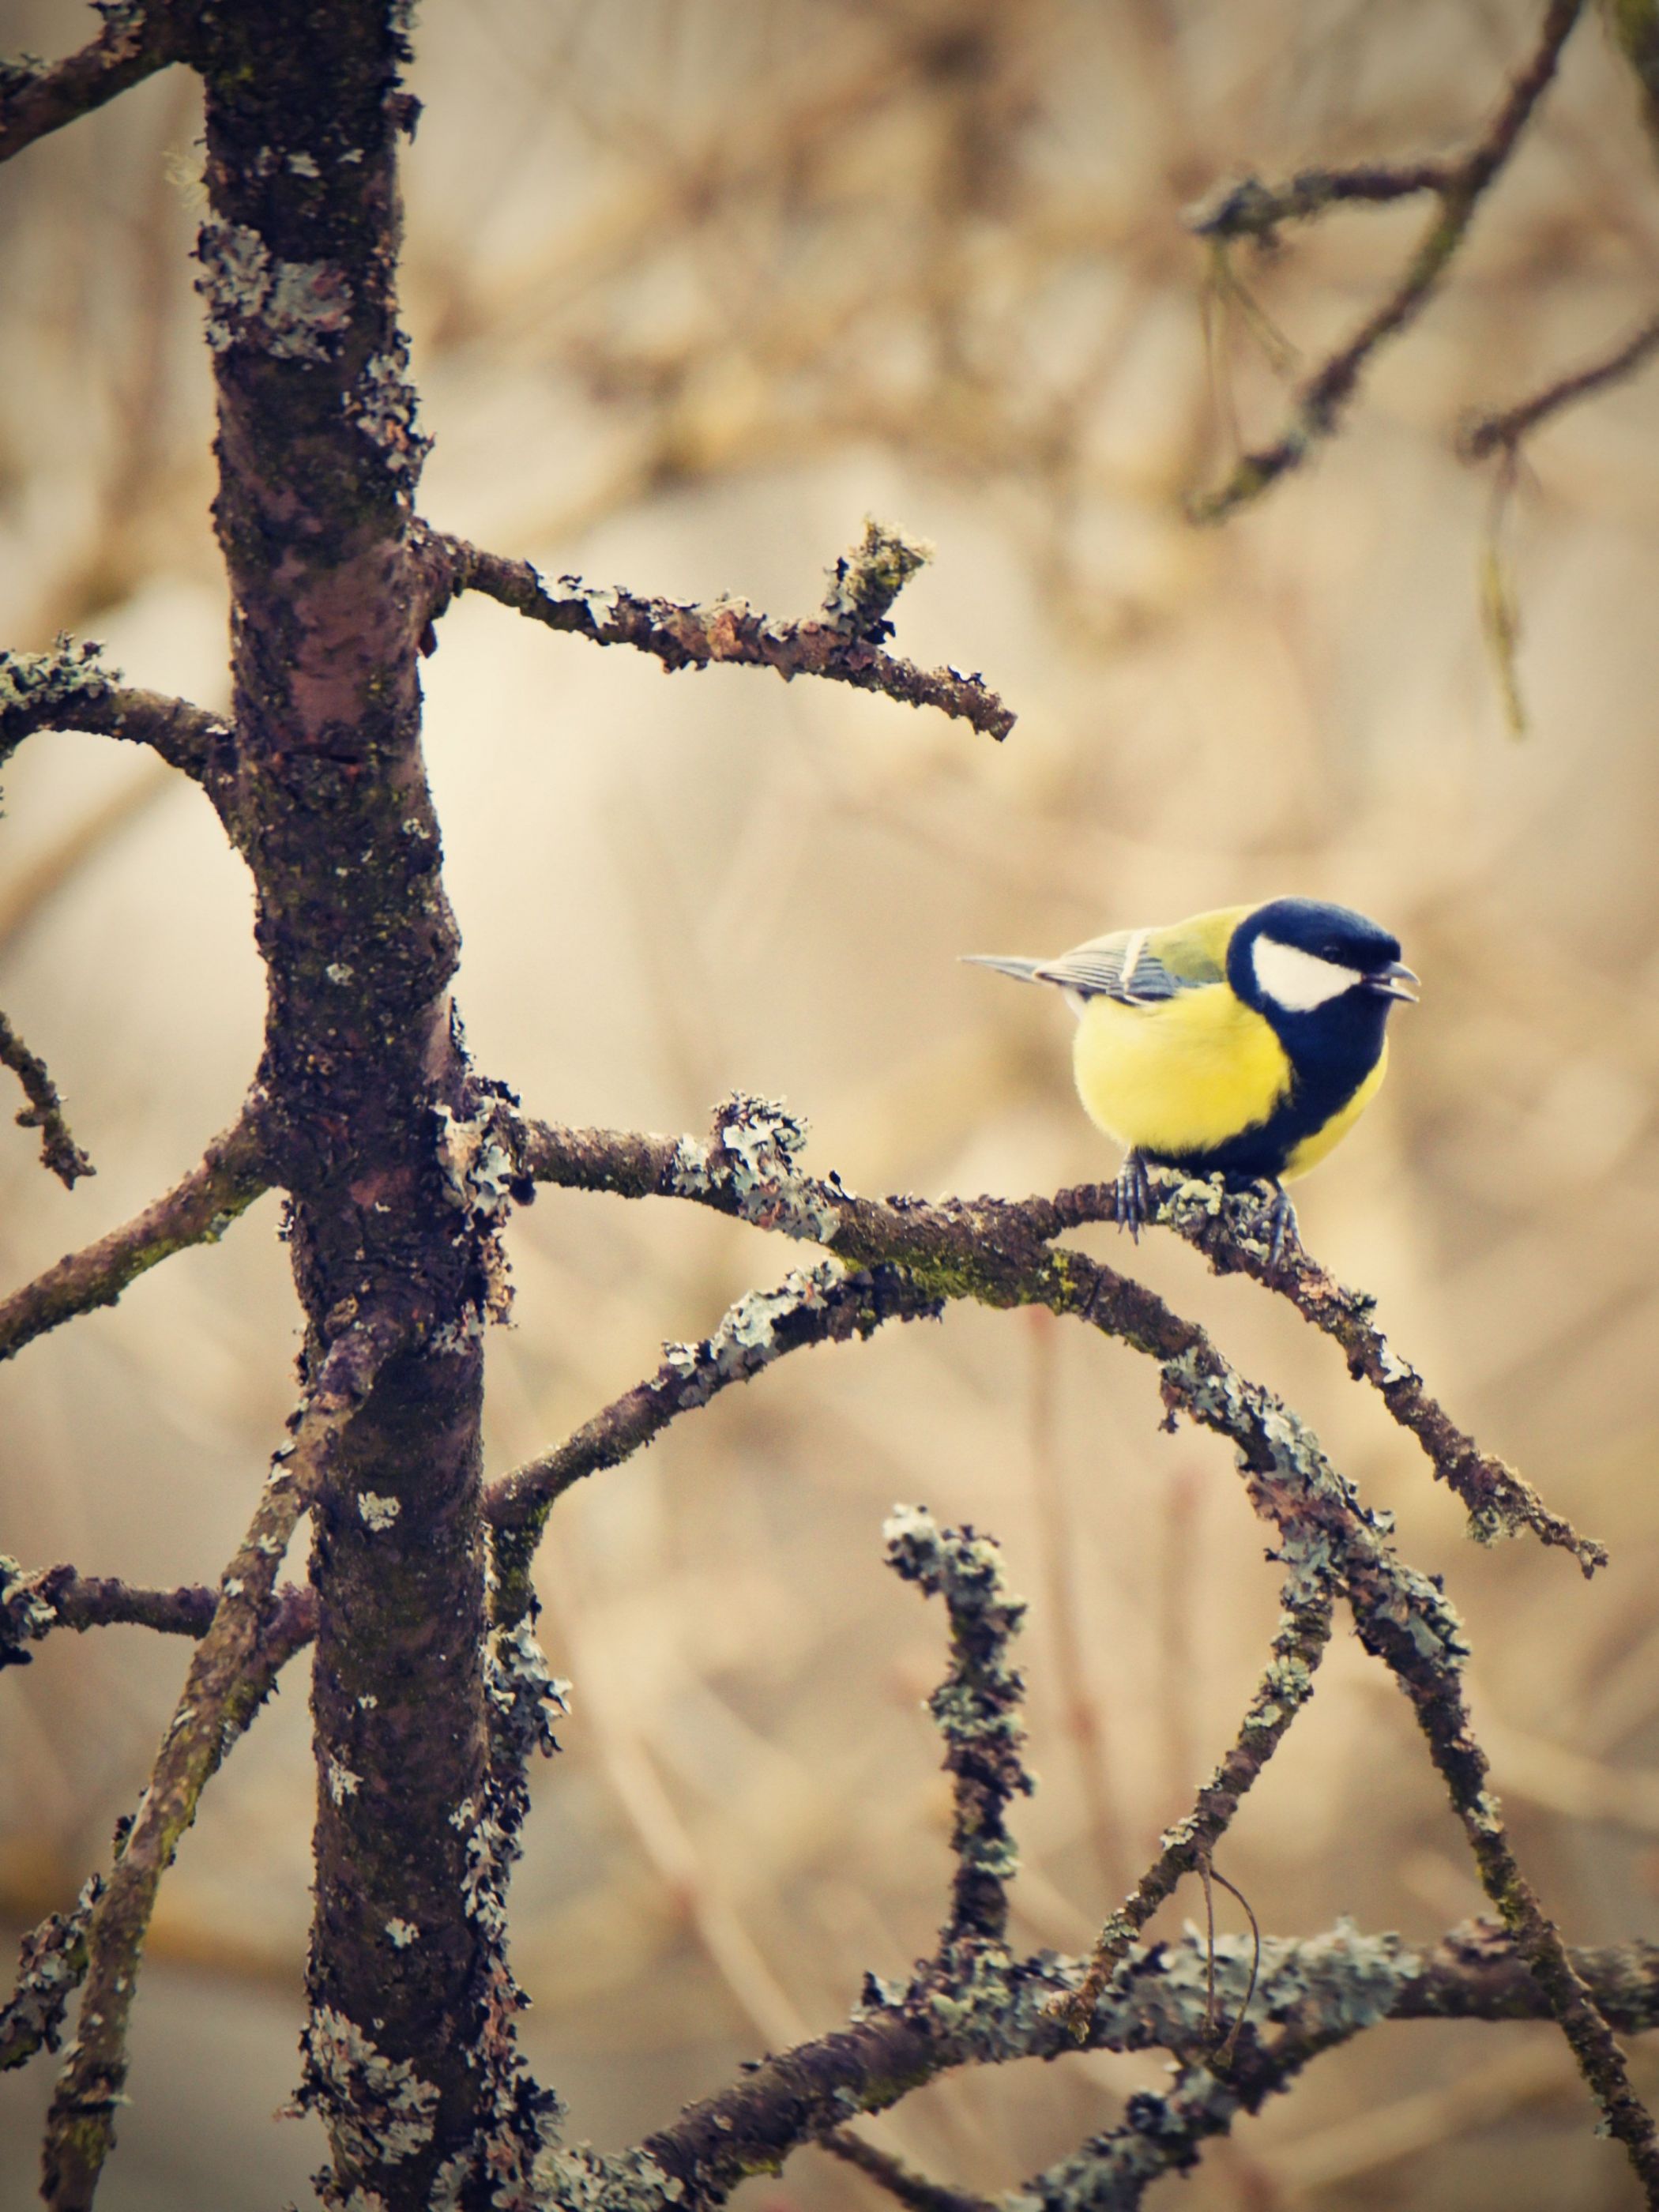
<point>692,288</point>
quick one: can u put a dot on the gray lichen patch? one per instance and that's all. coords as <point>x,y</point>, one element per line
<point>752,1152</point>
<point>383,404</point>
<point>377,2109</point>
<point>746,1339</point>
<point>290,310</point>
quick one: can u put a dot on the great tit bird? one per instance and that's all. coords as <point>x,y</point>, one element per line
<point>1247,1041</point>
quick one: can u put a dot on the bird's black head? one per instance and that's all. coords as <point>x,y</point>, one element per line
<point>1301,963</point>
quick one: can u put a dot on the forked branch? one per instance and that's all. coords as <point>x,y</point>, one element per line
<point>1458,185</point>
<point>45,1110</point>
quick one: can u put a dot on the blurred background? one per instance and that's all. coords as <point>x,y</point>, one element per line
<point>692,288</point>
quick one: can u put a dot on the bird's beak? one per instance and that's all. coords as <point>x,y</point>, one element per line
<point>1396,981</point>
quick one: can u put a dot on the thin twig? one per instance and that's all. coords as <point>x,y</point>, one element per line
<point>841,645</point>
<point>229,1678</point>
<point>45,1111</point>
<point>32,1605</point>
<point>898,2179</point>
<point>198,1210</point>
<point>1457,186</point>
<point>1503,430</point>
<point>138,38</point>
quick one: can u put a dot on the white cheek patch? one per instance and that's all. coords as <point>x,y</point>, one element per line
<point>1298,981</point>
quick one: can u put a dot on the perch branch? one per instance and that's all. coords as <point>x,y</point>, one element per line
<point>1228,1226</point>
<point>1458,186</point>
<point>227,1681</point>
<point>68,690</point>
<point>196,1210</point>
<point>40,97</point>
<point>1502,432</point>
<point>843,644</point>
<point>749,1167</point>
<point>45,1111</point>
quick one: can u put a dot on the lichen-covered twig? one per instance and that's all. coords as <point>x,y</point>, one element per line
<point>69,688</point>
<point>1229,1225</point>
<point>1503,430</point>
<point>32,1605</point>
<point>824,1304</point>
<point>51,1963</point>
<point>196,1210</point>
<point>979,2007</point>
<point>45,1111</point>
<point>750,1166</point>
<point>138,38</point>
<point>976,1707</point>
<point>842,644</point>
<point>228,1679</point>
<point>1457,185</point>
<point>1287,1684</point>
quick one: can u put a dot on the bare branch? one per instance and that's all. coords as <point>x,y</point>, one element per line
<point>45,1111</point>
<point>1503,431</point>
<point>1458,186</point>
<point>843,646</point>
<point>227,1681</point>
<point>196,1210</point>
<point>138,38</point>
<point>899,2179</point>
<point>976,1707</point>
<point>67,690</point>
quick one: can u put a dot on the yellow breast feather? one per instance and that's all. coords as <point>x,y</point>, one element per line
<point>1186,1075</point>
<point>1309,1152</point>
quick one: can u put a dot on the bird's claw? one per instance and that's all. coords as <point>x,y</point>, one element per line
<point>1281,1220</point>
<point>1133,1192</point>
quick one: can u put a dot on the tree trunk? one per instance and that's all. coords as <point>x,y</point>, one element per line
<point>363,1075</point>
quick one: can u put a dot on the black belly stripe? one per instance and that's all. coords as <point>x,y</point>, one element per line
<point>1331,1052</point>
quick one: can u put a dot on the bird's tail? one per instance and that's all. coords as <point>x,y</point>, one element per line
<point>1027,971</point>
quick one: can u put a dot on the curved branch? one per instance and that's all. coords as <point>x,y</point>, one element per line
<point>68,690</point>
<point>748,1167</point>
<point>45,1111</point>
<point>228,1681</point>
<point>825,1305</point>
<point>1458,187</point>
<point>198,1210</point>
<point>37,98</point>
<point>843,645</point>
<point>1503,431</point>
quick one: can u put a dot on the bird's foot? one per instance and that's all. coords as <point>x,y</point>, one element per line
<point>1133,1192</point>
<point>1281,1220</point>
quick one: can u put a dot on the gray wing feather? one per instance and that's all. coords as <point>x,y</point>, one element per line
<point>1114,967</point>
